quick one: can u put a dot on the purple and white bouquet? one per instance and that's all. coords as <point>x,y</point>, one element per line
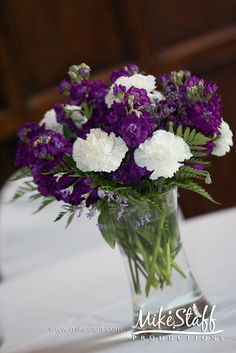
<point>110,147</point>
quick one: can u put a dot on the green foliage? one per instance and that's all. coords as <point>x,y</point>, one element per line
<point>69,134</point>
<point>106,221</point>
<point>192,186</point>
<point>67,166</point>
<point>46,201</point>
<point>70,211</point>
<point>25,188</point>
<point>187,172</point>
<point>193,138</point>
<point>35,196</point>
<point>60,216</point>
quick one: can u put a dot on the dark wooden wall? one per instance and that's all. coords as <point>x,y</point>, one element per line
<point>40,39</point>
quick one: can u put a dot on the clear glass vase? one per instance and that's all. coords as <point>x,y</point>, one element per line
<point>160,278</point>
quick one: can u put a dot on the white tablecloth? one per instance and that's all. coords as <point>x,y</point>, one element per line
<point>88,289</point>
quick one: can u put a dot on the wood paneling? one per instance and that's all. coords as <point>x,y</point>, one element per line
<point>47,36</point>
<point>175,21</point>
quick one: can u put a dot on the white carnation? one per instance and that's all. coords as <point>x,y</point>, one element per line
<point>162,154</point>
<point>224,141</point>
<point>99,152</point>
<point>50,121</point>
<point>78,118</point>
<point>147,82</point>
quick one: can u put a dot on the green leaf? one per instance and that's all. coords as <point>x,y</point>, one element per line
<point>170,126</point>
<point>106,220</point>
<point>198,148</point>
<point>199,161</point>
<point>61,214</point>
<point>35,196</point>
<point>186,134</point>
<point>200,139</point>
<point>191,171</point>
<point>208,179</point>
<point>194,138</point>
<point>27,187</point>
<point>191,185</point>
<point>199,154</point>
<point>192,135</point>
<point>187,172</point>
<point>67,133</point>
<point>179,131</point>
<point>46,201</point>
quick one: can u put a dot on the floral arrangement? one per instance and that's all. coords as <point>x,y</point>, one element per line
<point>108,148</point>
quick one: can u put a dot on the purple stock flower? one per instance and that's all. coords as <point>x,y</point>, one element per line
<point>114,117</point>
<point>48,149</point>
<point>47,184</point>
<point>127,70</point>
<point>92,197</point>
<point>197,103</point>
<point>91,92</point>
<point>63,119</point>
<point>64,87</point>
<point>136,97</point>
<point>135,130</point>
<point>130,173</point>
<point>24,154</point>
<point>119,90</point>
<point>205,117</point>
<point>51,145</point>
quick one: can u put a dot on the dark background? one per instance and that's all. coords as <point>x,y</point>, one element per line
<point>40,39</point>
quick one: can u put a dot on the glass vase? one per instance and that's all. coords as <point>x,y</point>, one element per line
<point>160,277</point>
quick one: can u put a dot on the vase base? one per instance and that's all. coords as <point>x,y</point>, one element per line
<point>173,319</point>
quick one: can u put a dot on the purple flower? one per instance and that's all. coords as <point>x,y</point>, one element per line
<point>48,149</point>
<point>51,145</point>
<point>101,194</point>
<point>91,92</point>
<point>29,131</point>
<point>78,194</point>
<point>90,214</point>
<point>114,117</point>
<point>210,88</point>
<point>135,130</point>
<point>130,173</point>
<point>196,101</point>
<point>205,117</point>
<point>47,184</point>
<point>127,70</point>
<point>119,90</point>
<point>195,166</point>
<point>64,87</point>
<point>63,119</point>
<point>74,190</point>
<point>209,147</point>
<point>92,197</point>
<point>101,226</point>
<point>24,154</point>
<point>136,97</point>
